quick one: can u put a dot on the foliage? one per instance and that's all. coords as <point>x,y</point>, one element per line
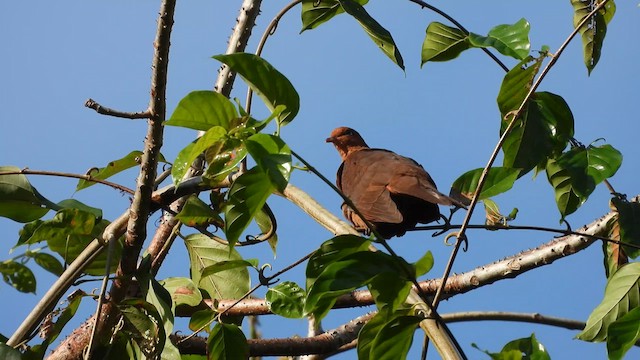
<point>242,161</point>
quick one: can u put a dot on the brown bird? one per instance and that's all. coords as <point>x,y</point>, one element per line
<point>392,192</point>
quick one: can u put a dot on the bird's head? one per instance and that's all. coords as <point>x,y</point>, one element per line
<point>346,140</point>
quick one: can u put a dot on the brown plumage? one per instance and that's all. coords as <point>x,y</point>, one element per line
<point>392,192</point>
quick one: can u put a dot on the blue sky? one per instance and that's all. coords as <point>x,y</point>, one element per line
<point>444,115</point>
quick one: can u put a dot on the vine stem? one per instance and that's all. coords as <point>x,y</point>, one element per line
<point>460,235</point>
<point>85,177</point>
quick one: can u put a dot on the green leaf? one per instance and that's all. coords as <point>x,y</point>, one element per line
<point>272,87</point>
<point>380,36</point>
<point>575,174</point>
<point>267,224</point>
<point>214,137</point>
<point>603,162</point>
<point>19,201</point>
<point>27,232</point>
<point>331,251</point>
<point>368,333</point>
<point>142,324</point>
<point>273,156</point>
<point>424,264</point>
<point>344,275</point>
<point>594,30</point>
<point>182,290</point>
<point>9,353</point>
<point>228,284</point>
<point>509,40</point>
<point>621,295</point>
<point>623,334</point>
<point>395,338</point>
<point>317,12</point>
<point>247,195</point>
<point>228,265</point>
<point>196,212</point>
<point>443,43</point>
<point>116,166</point>
<point>525,348</point>
<point>47,262</point>
<point>516,84</point>
<point>19,276</point>
<point>201,319</point>
<point>225,161</point>
<point>75,204</point>
<point>543,131</point>
<point>498,180</point>
<point>629,223</point>
<point>286,299</point>
<point>389,291</point>
<point>202,110</point>
<point>227,342</point>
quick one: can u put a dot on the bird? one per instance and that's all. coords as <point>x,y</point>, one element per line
<point>392,192</point>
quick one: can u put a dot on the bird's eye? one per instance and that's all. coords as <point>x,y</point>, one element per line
<point>349,132</point>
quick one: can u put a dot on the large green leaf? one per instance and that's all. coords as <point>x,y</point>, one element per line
<point>380,36</point>
<point>575,174</point>
<point>247,195</point>
<point>395,338</point>
<point>629,224</point>
<point>214,137</point>
<point>286,299</point>
<point>347,274</point>
<point>142,323</point>
<point>273,156</point>
<point>331,251</point>
<point>443,43</point>
<point>196,212</point>
<point>204,252</point>
<point>19,201</point>
<point>509,40</point>
<point>623,334</point>
<point>543,131</point>
<point>228,265</point>
<point>47,262</point>
<point>389,291</point>
<point>202,110</point>
<point>272,87</point>
<point>183,291</point>
<point>368,333</point>
<point>594,30</point>
<point>75,204</point>
<point>317,12</point>
<point>621,295</point>
<point>516,84</point>
<point>130,160</point>
<point>18,275</point>
<point>227,342</point>
<point>498,180</point>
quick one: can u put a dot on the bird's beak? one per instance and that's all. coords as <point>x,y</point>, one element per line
<point>330,139</point>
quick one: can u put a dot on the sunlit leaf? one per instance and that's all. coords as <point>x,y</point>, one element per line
<point>395,338</point>
<point>273,156</point>
<point>424,264</point>
<point>227,342</point>
<point>594,30</point>
<point>202,110</point>
<point>267,82</point>
<point>247,195</point>
<point>196,212</point>
<point>498,180</point>
<point>621,295</point>
<point>524,348</point>
<point>380,36</point>
<point>183,291</point>
<point>214,137</point>
<point>317,12</point>
<point>443,43</point>
<point>228,265</point>
<point>286,299</point>
<point>516,84</point>
<point>19,201</point>
<point>114,167</point>
<point>228,284</point>
<point>509,40</point>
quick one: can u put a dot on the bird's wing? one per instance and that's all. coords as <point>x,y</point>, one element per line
<point>362,182</point>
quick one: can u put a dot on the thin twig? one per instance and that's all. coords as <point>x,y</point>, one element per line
<point>91,104</point>
<point>460,236</point>
<point>85,177</point>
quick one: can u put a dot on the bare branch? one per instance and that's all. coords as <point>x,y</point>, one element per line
<point>91,104</point>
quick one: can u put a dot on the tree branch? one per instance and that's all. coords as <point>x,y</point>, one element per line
<point>91,104</point>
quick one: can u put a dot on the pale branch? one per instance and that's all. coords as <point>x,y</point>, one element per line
<point>238,42</point>
<point>507,268</point>
<point>102,110</point>
<point>460,235</point>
